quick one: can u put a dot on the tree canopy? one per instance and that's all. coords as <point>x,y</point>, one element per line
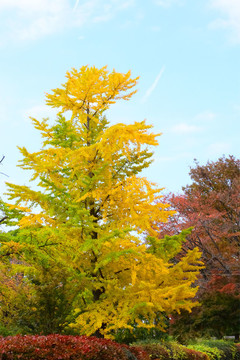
<point>87,213</point>
<point>211,206</point>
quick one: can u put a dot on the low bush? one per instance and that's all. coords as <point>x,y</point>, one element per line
<point>155,351</point>
<point>139,353</point>
<point>237,355</point>
<point>171,351</point>
<point>62,347</point>
<point>228,348</point>
<point>213,353</point>
<point>195,355</point>
<point>217,349</point>
<point>67,347</point>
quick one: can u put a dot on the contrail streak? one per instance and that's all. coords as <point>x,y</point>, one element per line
<point>76,5</point>
<point>154,84</point>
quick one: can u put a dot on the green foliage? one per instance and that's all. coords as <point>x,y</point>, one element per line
<point>228,348</point>
<point>79,249</point>
<point>172,351</point>
<point>60,347</point>
<point>201,350</point>
<point>220,314</point>
<point>237,355</point>
<point>217,316</point>
<point>168,247</point>
<point>6,331</point>
<point>139,334</point>
<point>212,352</point>
<point>156,351</point>
<point>217,349</point>
<point>49,307</point>
<point>34,299</point>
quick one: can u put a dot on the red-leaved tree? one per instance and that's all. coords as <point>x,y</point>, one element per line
<point>211,206</point>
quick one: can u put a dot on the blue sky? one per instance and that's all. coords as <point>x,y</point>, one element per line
<point>186,52</point>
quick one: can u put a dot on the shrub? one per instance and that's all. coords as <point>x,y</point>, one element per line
<point>212,352</point>
<point>62,347</point>
<point>139,334</point>
<point>195,355</point>
<point>237,355</point>
<point>156,351</point>
<point>139,352</point>
<point>228,348</point>
<point>172,351</point>
<point>218,349</point>
<point>203,350</point>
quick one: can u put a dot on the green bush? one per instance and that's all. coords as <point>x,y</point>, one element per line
<point>237,355</point>
<point>213,353</point>
<point>139,334</point>
<point>172,351</point>
<point>217,349</point>
<point>228,348</point>
<point>156,351</point>
<point>7,331</point>
<point>195,355</point>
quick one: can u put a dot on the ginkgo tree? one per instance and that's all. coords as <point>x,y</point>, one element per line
<point>91,209</point>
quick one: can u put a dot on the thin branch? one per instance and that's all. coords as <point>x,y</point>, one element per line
<point>3,157</point>
<point>4,218</point>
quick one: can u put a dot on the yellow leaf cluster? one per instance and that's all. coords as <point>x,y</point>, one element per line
<point>91,90</point>
<point>95,207</point>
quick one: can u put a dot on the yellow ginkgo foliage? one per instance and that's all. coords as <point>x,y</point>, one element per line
<point>91,210</point>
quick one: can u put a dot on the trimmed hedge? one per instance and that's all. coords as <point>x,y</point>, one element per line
<point>204,350</point>
<point>237,356</point>
<point>63,347</point>
<point>218,349</point>
<point>172,351</point>
<point>67,347</point>
<point>139,353</point>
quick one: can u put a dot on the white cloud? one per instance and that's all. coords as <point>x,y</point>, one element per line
<point>30,20</point>
<point>184,128</point>
<point>154,85</point>
<point>33,19</point>
<point>230,10</point>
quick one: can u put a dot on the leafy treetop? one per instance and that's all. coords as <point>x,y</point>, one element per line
<point>89,200</point>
